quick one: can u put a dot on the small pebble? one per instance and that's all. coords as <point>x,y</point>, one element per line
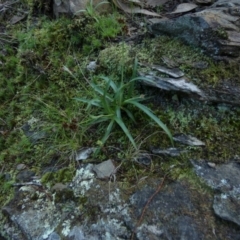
<point>21,166</point>
<point>212,165</point>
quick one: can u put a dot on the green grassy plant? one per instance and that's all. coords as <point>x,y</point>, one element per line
<point>91,9</point>
<point>97,33</point>
<point>112,100</point>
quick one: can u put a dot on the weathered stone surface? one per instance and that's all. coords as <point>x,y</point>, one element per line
<point>84,153</point>
<point>225,179</point>
<point>216,29</point>
<point>35,220</point>
<point>224,91</point>
<point>171,84</point>
<point>105,170</point>
<point>33,134</point>
<point>102,210</point>
<point>173,152</point>
<point>188,140</point>
<point>143,158</point>
<point>227,207</point>
<point>173,72</point>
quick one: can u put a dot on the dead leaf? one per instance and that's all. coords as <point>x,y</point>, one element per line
<point>127,8</point>
<point>15,19</point>
<point>155,3</point>
<point>184,7</point>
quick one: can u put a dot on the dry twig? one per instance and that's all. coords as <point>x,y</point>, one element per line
<point>146,205</point>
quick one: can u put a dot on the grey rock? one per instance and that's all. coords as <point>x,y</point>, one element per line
<point>173,152</point>
<point>173,72</point>
<point>215,30</point>
<point>226,3</point>
<point>21,166</point>
<point>184,7</point>
<point>105,169</point>
<point>162,217</point>
<point>143,158</point>
<point>92,66</point>
<point>54,236</point>
<point>101,210</point>
<point>224,178</point>
<point>171,200</point>
<point>227,207</point>
<point>25,176</point>
<point>188,140</point>
<point>33,135</point>
<point>171,84</point>
<point>34,223</point>
<point>84,153</point>
<point>76,234</point>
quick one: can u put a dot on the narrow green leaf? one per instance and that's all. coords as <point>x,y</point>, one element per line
<point>93,102</point>
<point>125,130</point>
<point>107,106</point>
<point>102,92</point>
<point>84,100</point>
<point>98,119</point>
<point>119,93</point>
<point>97,88</point>
<point>130,115</point>
<point>108,131</point>
<point>136,99</point>
<point>111,82</point>
<point>153,117</point>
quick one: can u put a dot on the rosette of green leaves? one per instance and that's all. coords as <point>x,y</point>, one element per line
<point>112,99</point>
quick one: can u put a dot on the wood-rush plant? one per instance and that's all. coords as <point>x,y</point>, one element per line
<point>115,98</point>
<point>91,9</point>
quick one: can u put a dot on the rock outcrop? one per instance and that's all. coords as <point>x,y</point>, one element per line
<point>216,30</point>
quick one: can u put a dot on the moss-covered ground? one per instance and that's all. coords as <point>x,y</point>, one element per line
<point>42,126</point>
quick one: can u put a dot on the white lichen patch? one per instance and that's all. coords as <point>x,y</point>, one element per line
<point>27,188</point>
<point>115,196</point>
<point>47,233</point>
<point>83,180</point>
<point>85,186</point>
<point>224,196</point>
<point>66,228</point>
<point>116,204</point>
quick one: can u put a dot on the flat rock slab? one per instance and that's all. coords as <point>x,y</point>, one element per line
<point>168,212</point>
<point>224,178</point>
<point>103,210</point>
<point>216,30</point>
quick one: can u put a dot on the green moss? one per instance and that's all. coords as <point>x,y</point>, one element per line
<point>185,57</point>
<point>221,32</point>
<point>97,33</point>
<point>6,187</point>
<point>64,195</point>
<point>82,200</point>
<point>116,59</point>
<point>63,175</point>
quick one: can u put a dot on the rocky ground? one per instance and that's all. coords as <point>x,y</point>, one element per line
<point>53,186</point>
